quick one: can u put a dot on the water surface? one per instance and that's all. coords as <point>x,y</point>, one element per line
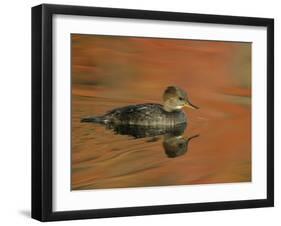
<point>110,72</point>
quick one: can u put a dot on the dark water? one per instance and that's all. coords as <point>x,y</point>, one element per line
<point>215,145</point>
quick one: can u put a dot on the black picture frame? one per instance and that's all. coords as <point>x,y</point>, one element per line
<point>42,107</point>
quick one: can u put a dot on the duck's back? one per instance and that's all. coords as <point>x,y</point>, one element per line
<point>144,114</point>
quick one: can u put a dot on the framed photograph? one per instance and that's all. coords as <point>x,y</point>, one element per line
<point>140,112</point>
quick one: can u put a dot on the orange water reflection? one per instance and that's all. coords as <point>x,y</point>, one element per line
<point>110,72</point>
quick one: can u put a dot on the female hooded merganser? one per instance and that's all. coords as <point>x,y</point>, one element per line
<point>150,114</point>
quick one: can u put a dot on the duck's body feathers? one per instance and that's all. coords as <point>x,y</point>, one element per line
<point>148,114</point>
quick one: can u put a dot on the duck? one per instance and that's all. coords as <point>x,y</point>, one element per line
<point>168,114</point>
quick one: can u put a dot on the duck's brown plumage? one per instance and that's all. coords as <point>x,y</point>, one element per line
<point>144,114</point>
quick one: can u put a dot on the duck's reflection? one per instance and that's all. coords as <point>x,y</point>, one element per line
<point>176,146</point>
<point>174,143</point>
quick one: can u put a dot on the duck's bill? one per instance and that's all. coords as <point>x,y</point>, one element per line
<point>190,105</point>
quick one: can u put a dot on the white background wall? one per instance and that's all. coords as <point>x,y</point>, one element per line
<point>15,104</point>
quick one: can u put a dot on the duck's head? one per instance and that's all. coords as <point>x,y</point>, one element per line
<point>175,99</point>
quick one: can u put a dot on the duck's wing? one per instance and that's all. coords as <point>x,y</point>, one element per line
<point>139,112</point>
<point>138,108</point>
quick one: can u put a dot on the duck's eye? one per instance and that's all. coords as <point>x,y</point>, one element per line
<point>180,98</point>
